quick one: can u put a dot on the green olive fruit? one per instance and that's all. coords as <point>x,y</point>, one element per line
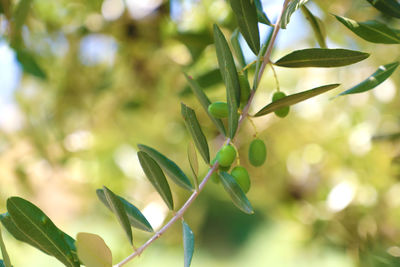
<point>257,152</point>
<point>282,112</point>
<point>244,89</point>
<point>242,178</point>
<point>218,110</point>
<point>221,168</point>
<point>226,155</point>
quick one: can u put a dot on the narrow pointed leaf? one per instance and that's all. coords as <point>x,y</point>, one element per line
<point>372,30</point>
<point>3,249</point>
<point>236,193</point>
<point>246,15</point>
<point>230,77</point>
<point>290,9</point>
<point>388,7</point>
<point>294,99</point>
<point>119,211</point>
<point>262,17</point>
<point>316,25</point>
<point>237,49</point>
<point>260,56</point>
<point>136,218</point>
<point>93,251</point>
<point>156,177</point>
<point>188,243</point>
<point>29,64</point>
<point>205,102</point>
<point>378,77</point>
<point>193,162</point>
<point>205,80</point>
<point>170,167</point>
<point>39,229</point>
<point>321,57</point>
<point>192,124</point>
<point>21,13</point>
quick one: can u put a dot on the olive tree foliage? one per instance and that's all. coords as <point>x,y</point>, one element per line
<point>28,223</point>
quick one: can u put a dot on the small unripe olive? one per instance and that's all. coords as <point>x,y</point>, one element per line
<point>221,168</point>
<point>244,89</point>
<point>226,155</point>
<point>218,109</point>
<point>242,178</point>
<point>257,152</point>
<point>282,112</point>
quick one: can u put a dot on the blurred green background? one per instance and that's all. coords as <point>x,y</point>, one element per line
<point>328,194</point>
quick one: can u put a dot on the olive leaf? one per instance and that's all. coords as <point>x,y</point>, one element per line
<point>237,49</point>
<point>205,102</point>
<point>290,9</point>
<point>93,251</point>
<point>372,30</point>
<point>388,7</point>
<point>262,17</point>
<point>260,57</point>
<point>20,14</point>
<point>378,77</point>
<point>205,80</point>
<point>3,249</point>
<point>294,99</point>
<point>188,243</point>
<point>321,57</point>
<point>246,15</point>
<point>192,124</point>
<point>29,64</point>
<point>156,177</point>
<point>235,192</point>
<point>316,25</point>
<point>119,211</point>
<point>170,167</point>
<point>193,162</point>
<point>136,218</point>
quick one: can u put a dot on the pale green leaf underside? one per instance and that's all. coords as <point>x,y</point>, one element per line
<point>290,9</point>
<point>93,251</point>
<point>237,195</point>
<point>188,243</point>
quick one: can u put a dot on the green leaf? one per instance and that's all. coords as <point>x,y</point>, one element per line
<point>294,99</point>
<point>136,218</point>
<point>192,124</point>
<point>290,9</point>
<point>205,80</point>
<point>205,102</point>
<point>119,210</point>
<point>378,77</point>
<point>321,57</point>
<point>193,162</point>
<point>93,251</point>
<point>39,229</point>
<point>170,167</point>
<point>388,7</point>
<point>260,56</point>
<point>20,14</point>
<point>246,15</point>
<point>230,77</point>
<point>236,193</point>
<point>316,25</point>
<point>156,177</point>
<point>261,16</point>
<point>188,243</point>
<point>3,249</point>
<point>2,263</point>
<point>237,49</point>
<point>29,64</point>
<point>372,30</point>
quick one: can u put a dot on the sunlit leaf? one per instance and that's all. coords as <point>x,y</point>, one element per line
<point>4,252</point>
<point>136,218</point>
<point>205,102</point>
<point>156,177</point>
<point>262,17</point>
<point>93,251</point>
<point>316,25</point>
<point>193,162</point>
<point>388,7</point>
<point>372,31</point>
<point>246,14</point>
<point>237,49</point>
<point>29,64</point>
<point>294,99</point>
<point>321,57</point>
<point>374,80</point>
<point>230,77</point>
<point>290,9</point>
<point>236,193</point>
<point>170,167</point>
<point>188,243</point>
<point>36,226</point>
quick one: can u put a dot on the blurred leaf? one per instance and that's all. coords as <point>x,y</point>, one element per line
<point>236,193</point>
<point>20,14</point>
<point>30,220</point>
<point>3,249</point>
<point>260,56</point>
<point>316,25</point>
<point>321,57</point>
<point>193,162</point>
<point>205,80</point>
<point>93,251</point>
<point>188,243</point>
<point>246,16</point>
<point>170,167</point>
<point>195,42</point>
<point>5,7</point>
<point>2,263</point>
<point>156,177</point>
<point>262,17</point>
<point>386,137</point>
<point>237,49</point>
<point>195,130</point>
<point>119,211</point>
<point>388,7</point>
<point>374,80</point>
<point>136,218</point>
<point>294,99</point>
<point>229,75</point>
<point>372,31</point>
<point>205,102</point>
<point>29,64</point>
<point>290,9</point>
